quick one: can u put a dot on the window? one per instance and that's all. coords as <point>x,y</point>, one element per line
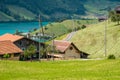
<point>1,56</point>
<point>16,55</point>
<point>71,48</point>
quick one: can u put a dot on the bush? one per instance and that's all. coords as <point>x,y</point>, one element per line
<point>6,56</point>
<point>111,56</point>
<point>83,26</point>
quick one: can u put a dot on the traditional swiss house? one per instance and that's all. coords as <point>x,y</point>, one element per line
<point>67,50</point>
<point>20,41</point>
<point>7,47</point>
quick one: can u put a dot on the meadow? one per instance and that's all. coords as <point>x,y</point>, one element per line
<point>61,70</point>
<point>92,39</point>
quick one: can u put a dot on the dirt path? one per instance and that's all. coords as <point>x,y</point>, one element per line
<point>69,36</point>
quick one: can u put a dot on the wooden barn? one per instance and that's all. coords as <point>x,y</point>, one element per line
<point>68,50</point>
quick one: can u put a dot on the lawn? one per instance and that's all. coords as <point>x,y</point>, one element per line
<point>61,70</point>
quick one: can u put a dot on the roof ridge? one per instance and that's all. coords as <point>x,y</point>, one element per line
<point>10,37</point>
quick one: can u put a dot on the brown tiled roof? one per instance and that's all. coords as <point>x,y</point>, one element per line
<point>9,48</point>
<point>61,45</point>
<point>10,37</point>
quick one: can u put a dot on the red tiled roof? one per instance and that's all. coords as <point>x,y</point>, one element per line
<point>61,45</point>
<point>9,48</point>
<point>10,37</point>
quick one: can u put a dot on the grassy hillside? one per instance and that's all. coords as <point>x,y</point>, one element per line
<point>91,39</point>
<point>60,28</point>
<point>4,17</point>
<point>61,70</point>
<point>22,12</point>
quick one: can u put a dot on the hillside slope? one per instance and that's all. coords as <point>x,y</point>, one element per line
<point>64,27</point>
<point>91,39</point>
<point>57,10</point>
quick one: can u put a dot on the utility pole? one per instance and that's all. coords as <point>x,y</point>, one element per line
<point>105,37</point>
<point>39,39</point>
<point>73,24</point>
<point>53,45</point>
<point>41,26</point>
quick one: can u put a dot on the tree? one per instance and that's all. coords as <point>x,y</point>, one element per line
<point>30,51</point>
<point>114,17</point>
<point>48,50</point>
<point>42,51</point>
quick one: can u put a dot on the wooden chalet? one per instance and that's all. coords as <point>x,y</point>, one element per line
<point>67,50</point>
<point>20,41</point>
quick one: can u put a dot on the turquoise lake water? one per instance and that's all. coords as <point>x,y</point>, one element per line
<point>11,27</point>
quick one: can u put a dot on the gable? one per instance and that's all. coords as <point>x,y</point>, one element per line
<point>61,45</point>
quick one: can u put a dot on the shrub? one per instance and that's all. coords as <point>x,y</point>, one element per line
<point>111,56</point>
<point>6,56</point>
<point>83,26</point>
<point>69,30</point>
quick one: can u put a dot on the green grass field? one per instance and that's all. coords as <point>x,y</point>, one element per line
<point>61,70</point>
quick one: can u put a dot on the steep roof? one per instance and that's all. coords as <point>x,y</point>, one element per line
<point>9,48</point>
<point>10,37</point>
<point>61,45</point>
